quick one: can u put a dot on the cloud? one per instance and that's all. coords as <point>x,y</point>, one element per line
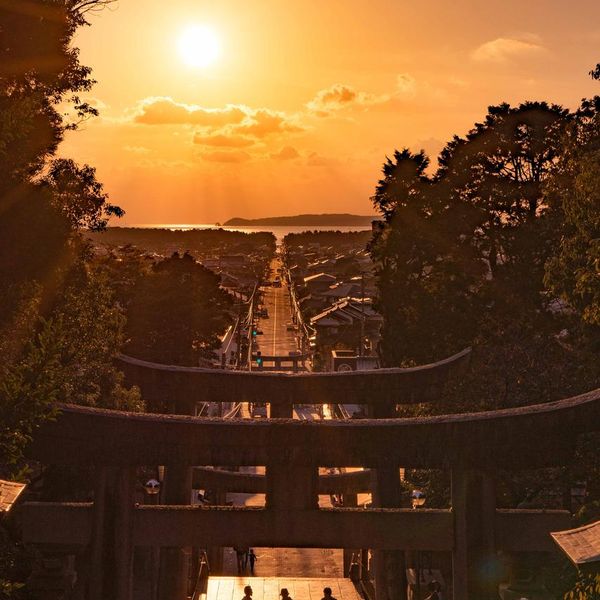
<point>286,153</point>
<point>339,96</point>
<point>406,84</point>
<point>503,49</point>
<point>264,122</point>
<point>162,164</point>
<point>316,160</point>
<point>224,156</point>
<point>160,110</point>
<point>95,102</point>
<point>136,149</point>
<point>222,140</point>
<point>233,126</point>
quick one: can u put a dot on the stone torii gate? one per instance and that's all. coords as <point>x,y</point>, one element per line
<point>180,389</point>
<point>471,446</point>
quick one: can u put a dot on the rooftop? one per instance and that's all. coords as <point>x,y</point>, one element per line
<point>581,545</point>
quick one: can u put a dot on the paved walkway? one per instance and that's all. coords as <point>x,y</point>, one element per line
<point>290,562</point>
<point>232,588</point>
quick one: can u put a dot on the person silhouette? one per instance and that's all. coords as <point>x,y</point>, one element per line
<point>247,593</point>
<point>252,558</point>
<point>285,595</point>
<point>327,594</point>
<point>434,589</point>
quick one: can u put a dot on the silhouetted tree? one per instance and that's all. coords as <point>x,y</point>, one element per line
<point>79,195</point>
<point>41,213</point>
<point>574,190</point>
<point>425,267</point>
<point>461,258</point>
<point>41,80</point>
<point>177,312</point>
<point>471,237</point>
<point>68,359</point>
<point>38,70</point>
<point>499,169</point>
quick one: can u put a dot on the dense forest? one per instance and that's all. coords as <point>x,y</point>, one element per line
<point>335,239</point>
<point>160,240</point>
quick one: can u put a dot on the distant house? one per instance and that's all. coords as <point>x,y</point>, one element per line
<point>232,260</point>
<point>311,305</point>
<point>296,274</point>
<point>319,283</point>
<point>346,324</point>
<point>229,282</point>
<point>211,263</point>
<point>342,290</point>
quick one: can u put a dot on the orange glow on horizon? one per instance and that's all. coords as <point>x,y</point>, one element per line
<point>252,109</point>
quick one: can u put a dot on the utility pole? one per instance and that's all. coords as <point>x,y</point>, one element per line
<point>238,336</point>
<point>362,310</point>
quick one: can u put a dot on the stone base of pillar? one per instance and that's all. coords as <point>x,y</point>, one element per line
<point>390,575</point>
<point>173,578</point>
<point>52,578</point>
<point>215,560</point>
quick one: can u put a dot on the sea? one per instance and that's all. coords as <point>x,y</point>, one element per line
<point>279,231</point>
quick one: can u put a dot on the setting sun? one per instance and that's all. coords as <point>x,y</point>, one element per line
<point>199,46</point>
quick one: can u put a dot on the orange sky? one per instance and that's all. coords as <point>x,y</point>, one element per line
<point>308,96</point>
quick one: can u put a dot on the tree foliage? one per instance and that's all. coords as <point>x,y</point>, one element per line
<point>68,359</point>
<point>574,189</point>
<point>59,327</point>
<point>79,195</point>
<point>176,312</point>
<point>471,238</point>
<point>39,70</point>
<point>586,588</point>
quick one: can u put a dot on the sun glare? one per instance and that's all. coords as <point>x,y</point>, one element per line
<point>199,46</point>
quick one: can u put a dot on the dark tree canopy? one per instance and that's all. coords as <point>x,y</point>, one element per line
<point>572,272</point>
<point>38,70</point>
<point>478,254</point>
<point>472,236</point>
<point>177,312</point>
<point>79,195</point>
<point>58,331</point>
<point>43,203</point>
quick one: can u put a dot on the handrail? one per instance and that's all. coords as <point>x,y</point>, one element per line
<point>234,412</point>
<point>201,585</point>
<point>343,412</point>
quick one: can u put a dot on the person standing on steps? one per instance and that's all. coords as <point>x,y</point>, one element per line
<point>327,594</point>
<point>252,558</point>
<point>247,593</point>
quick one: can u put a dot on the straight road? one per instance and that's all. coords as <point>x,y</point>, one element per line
<point>277,339</point>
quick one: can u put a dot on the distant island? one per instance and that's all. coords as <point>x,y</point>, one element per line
<point>341,219</point>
